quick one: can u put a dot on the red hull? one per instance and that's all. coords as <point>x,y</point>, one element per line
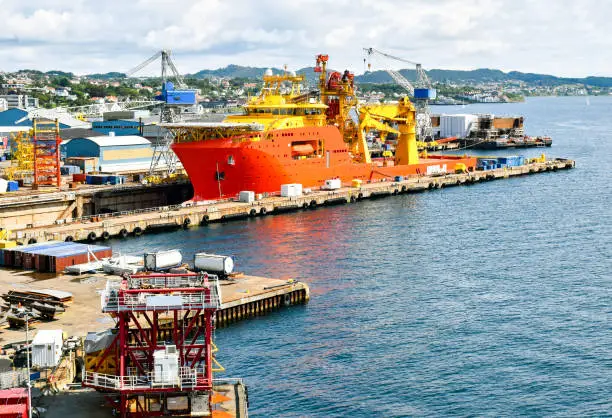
<point>224,167</point>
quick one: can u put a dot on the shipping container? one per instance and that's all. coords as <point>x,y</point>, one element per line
<point>80,178</point>
<point>291,190</point>
<point>12,186</point>
<point>456,125</point>
<point>47,348</point>
<point>56,260</point>
<point>28,256</point>
<point>16,254</point>
<point>246,196</point>
<point>332,184</point>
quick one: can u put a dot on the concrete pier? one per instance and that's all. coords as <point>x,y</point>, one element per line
<point>242,297</point>
<point>137,222</point>
<point>251,296</point>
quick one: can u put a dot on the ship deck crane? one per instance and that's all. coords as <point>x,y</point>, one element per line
<point>421,91</point>
<point>172,102</point>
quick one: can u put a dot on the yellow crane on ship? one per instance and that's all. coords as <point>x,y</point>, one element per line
<point>355,120</point>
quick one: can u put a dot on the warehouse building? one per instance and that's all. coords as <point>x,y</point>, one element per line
<point>113,154</point>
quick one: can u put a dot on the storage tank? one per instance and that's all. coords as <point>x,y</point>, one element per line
<point>215,264</point>
<point>161,260</point>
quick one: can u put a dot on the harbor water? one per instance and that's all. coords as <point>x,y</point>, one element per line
<point>487,300</point>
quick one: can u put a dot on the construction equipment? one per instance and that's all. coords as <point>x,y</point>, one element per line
<point>421,92</point>
<point>355,121</point>
<point>159,359</point>
<point>173,103</point>
<point>22,156</point>
<point>46,140</point>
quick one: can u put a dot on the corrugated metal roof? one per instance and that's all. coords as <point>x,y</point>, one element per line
<point>111,141</point>
<point>68,134</point>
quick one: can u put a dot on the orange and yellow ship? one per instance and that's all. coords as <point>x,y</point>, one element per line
<point>286,135</point>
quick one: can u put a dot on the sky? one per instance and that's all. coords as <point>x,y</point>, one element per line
<point>562,37</point>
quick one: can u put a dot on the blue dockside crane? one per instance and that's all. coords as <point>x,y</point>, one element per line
<point>420,91</point>
<point>175,97</point>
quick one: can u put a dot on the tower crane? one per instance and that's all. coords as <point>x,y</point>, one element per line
<point>172,101</point>
<point>421,91</point>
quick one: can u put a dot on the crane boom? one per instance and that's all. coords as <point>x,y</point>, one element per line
<point>143,64</point>
<point>424,92</point>
<point>372,51</point>
<point>401,80</point>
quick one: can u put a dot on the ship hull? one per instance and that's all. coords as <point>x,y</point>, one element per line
<point>222,168</point>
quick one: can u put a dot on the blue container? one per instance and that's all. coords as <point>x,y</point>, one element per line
<point>115,179</point>
<point>12,186</point>
<point>95,179</point>
<point>399,178</point>
<point>425,94</point>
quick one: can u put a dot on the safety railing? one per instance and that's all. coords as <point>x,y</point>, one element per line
<point>183,378</point>
<point>168,281</point>
<point>116,299</point>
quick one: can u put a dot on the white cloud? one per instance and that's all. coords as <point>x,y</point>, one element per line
<point>563,37</point>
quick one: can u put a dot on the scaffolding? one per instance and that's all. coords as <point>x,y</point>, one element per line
<point>161,350</point>
<point>46,140</point>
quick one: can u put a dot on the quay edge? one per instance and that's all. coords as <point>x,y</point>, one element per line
<point>135,223</point>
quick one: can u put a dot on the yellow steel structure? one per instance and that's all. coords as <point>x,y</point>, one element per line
<point>22,162</point>
<point>380,117</point>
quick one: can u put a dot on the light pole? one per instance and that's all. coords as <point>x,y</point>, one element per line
<point>28,348</point>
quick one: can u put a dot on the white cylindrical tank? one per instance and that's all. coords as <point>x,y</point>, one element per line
<point>163,259</point>
<point>212,263</point>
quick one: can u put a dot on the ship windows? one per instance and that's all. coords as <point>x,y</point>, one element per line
<point>220,175</point>
<point>230,160</point>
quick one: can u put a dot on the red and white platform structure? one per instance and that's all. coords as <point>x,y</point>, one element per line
<point>162,351</point>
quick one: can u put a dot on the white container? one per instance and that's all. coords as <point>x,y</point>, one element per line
<point>161,260</point>
<point>332,184</point>
<point>47,348</point>
<point>456,125</point>
<point>212,263</point>
<point>165,366</point>
<point>291,190</point>
<point>246,196</point>
<point>3,185</point>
